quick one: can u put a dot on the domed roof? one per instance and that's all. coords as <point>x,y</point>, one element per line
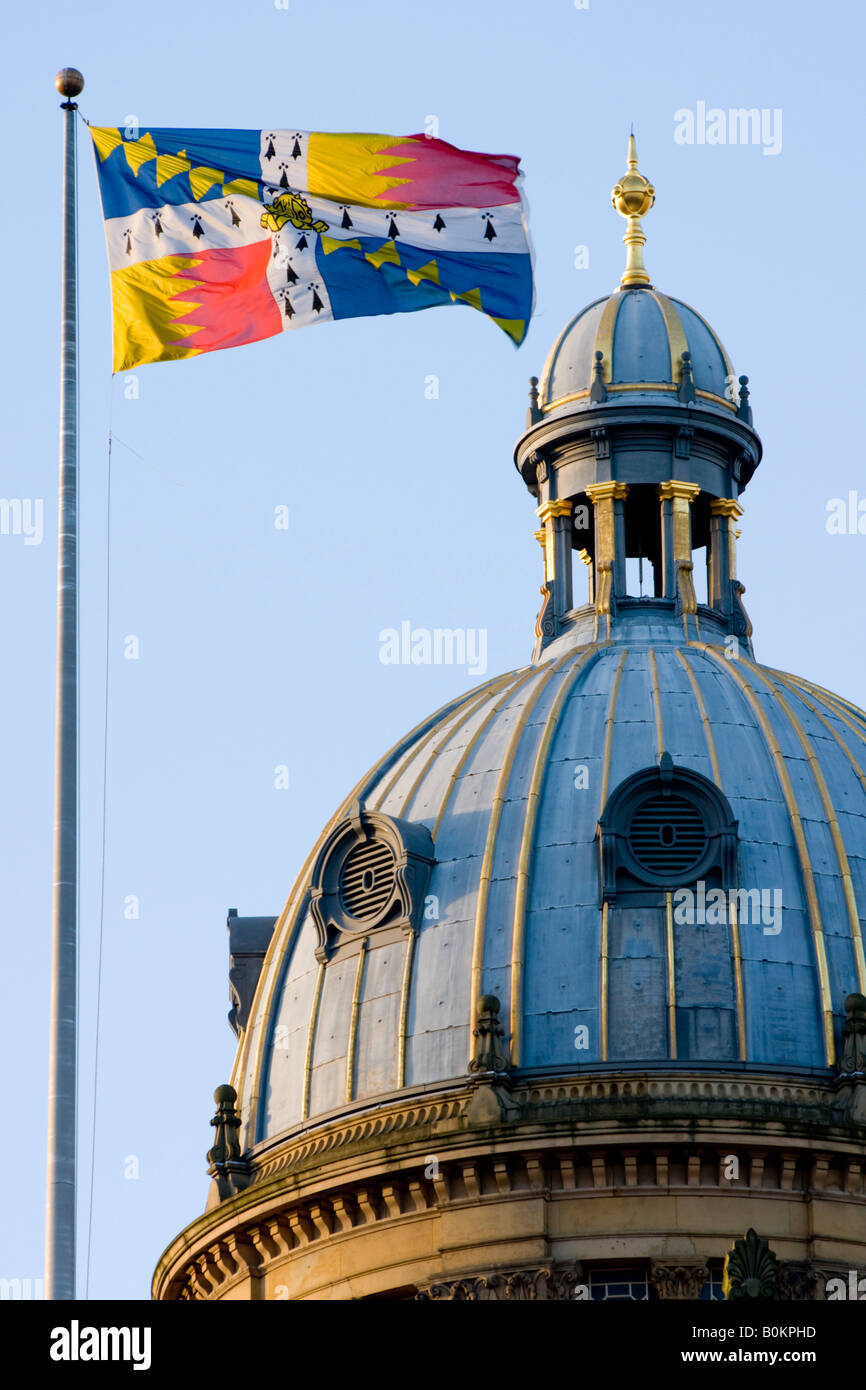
<point>641,335</point>
<point>508,784</point>
<point>560,838</point>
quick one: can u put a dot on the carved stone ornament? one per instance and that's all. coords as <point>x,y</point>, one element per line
<point>679,1281</point>
<point>545,623</point>
<point>601,439</point>
<point>225,1165</point>
<point>372,872</point>
<point>797,1282</point>
<point>741,623</point>
<point>854,1036</point>
<point>686,388</point>
<point>751,1269</point>
<point>556,1283</point>
<point>490,1053</point>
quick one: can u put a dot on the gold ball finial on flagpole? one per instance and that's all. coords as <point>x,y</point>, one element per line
<point>69,83</point>
<point>633,197</point>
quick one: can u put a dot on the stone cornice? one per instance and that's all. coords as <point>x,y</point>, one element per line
<point>795,1131</point>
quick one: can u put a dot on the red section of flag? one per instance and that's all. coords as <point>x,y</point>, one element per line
<point>233,300</point>
<point>441,176</point>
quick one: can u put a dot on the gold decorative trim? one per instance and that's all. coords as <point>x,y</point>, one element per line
<point>677,341</point>
<point>443,726</point>
<point>729,366</point>
<point>353,1022</point>
<point>633,196</point>
<point>635,386</point>
<point>555,507</point>
<point>311,1041</point>
<point>672,982</point>
<point>439,722</point>
<point>702,709</point>
<point>725,506</point>
<point>734,924</point>
<point>492,832</point>
<point>657,703</point>
<point>799,685</point>
<point>404,1009</point>
<point>832,821</point>
<point>605,783</point>
<point>612,491</point>
<point>608,730</point>
<point>253,1048</point>
<point>679,491</point>
<point>524,857</point>
<point>512,689</point>
<point>835,700</point>
<point>603,341</point>
<point>473,706</point>
<point>799,839</point>
<point>552,356</point>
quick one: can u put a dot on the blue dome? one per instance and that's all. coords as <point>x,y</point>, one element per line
<point>509,783</point>
<point>641,334</point>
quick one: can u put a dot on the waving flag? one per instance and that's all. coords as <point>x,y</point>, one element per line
<point>222,237</point>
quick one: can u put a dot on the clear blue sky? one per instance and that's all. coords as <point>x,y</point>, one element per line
<point>261,647</point>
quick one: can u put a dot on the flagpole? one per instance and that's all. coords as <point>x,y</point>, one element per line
<point>63,1037</point>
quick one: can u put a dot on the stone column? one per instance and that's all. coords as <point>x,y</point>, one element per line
<point>676,518</point>
<point>724,512</point>
<point>585,556</point>
<point>555,517</point>
<point>608,501</point>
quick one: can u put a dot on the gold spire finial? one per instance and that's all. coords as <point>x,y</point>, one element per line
<point>632,197</point>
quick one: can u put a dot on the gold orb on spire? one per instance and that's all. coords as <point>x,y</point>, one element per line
<point>633,197</point>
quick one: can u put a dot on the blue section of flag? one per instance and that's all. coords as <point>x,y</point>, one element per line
<point>356,287</point>
<point>234,152</point>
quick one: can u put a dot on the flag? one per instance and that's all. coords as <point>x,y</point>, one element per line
<point>223,237</point>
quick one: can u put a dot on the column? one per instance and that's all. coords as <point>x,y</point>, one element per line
<point>724,513</point>
<point>676,519</point>
<point>608,500</point>
<point>555,517</point>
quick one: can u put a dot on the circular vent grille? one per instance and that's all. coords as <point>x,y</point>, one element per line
<point>367,880</point>
<point>667,834</point>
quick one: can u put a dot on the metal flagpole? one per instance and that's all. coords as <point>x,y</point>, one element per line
<point>63,1041</point>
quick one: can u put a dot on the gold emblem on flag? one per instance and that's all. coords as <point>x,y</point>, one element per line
<point>290,207</point>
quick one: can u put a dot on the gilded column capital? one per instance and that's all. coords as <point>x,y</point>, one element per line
<point>555,507</point>
<point>604,492</point>
<point>725,506</point>
<point>678,490</point>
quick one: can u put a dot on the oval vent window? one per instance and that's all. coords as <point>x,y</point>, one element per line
<point>667,834</point>
<point>367,879</point>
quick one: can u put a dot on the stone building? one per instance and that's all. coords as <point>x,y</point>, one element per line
<point>569,994</point>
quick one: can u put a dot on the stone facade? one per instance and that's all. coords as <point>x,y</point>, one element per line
<point>495,1191</point>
